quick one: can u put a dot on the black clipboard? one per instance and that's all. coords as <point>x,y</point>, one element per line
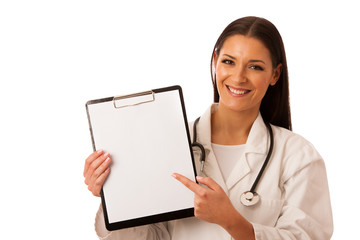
<point>148,138</point>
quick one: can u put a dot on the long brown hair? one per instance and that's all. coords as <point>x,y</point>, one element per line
<point>275,106</point>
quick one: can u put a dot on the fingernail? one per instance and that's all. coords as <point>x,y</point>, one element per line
<point>173,175</point>
<point>199,178</point>
<point>99,151</point>
<point>107,160</point>
<point>106,154</point>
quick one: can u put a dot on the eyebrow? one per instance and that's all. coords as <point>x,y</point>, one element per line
<point>252,60</point>
<point>257,61</point>
<point>230,56</point>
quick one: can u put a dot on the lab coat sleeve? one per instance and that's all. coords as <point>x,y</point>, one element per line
<point>306,213</point>
<point>156,231</point>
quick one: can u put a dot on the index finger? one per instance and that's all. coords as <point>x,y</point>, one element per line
<point>90,159</point>
<point>193,186</point>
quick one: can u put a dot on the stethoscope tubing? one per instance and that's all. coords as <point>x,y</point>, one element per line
<point>266,160</point>
<point>199,145</point>
<point>251,197</point>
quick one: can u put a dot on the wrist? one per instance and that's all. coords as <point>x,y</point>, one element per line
<point>238,227</point>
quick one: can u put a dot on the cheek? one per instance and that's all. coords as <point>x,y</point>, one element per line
<point>261,86</point>
<point>261,81</point>
<point>221,73</point>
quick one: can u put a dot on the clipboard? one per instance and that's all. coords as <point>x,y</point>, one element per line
<point>148,139</point>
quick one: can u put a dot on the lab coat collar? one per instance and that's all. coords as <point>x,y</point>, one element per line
<point>204,127</point>
<point>258,138</point>
<point>255,153</point>
<point>257,144</point>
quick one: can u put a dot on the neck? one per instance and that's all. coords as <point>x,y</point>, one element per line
<point>230,127</point>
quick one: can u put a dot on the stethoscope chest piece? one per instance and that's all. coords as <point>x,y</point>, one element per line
<point>249,198</point>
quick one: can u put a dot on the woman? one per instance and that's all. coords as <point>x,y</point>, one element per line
<point>250,79</point>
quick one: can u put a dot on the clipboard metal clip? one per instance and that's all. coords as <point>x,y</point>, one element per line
<point>117,98</point>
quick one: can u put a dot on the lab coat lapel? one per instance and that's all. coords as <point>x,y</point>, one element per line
<point>211,167</point>
<point>254,155</point>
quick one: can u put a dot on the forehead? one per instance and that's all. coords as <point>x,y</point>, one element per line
<point>243,46</point>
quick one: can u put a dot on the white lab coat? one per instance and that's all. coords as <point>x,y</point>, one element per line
<point>295,201</point>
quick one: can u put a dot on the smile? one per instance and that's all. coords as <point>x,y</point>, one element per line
<point>238,91</point>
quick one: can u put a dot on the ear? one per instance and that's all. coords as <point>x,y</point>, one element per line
<point>215,58</point>
<point>276,74</point>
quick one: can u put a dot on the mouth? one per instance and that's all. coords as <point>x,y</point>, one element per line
<point>238,91</point>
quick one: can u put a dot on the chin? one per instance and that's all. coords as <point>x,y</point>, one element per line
<point>239,108</point>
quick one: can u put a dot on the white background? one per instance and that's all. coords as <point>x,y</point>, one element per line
<point>56,55</point>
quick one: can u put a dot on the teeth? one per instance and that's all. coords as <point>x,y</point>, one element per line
<point>239,92</point>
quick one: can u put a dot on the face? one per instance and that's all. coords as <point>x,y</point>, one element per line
<point>244,72</point>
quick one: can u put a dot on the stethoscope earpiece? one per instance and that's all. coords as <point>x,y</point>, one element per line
<point>249,198</point>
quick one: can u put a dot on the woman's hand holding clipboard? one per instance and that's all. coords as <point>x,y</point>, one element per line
<point>96,170</point>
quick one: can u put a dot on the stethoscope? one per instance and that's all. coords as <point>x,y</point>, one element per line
<point>248,198</point>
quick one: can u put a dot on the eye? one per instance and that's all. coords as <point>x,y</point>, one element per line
<point>256,67</point>
<point>228,61</point>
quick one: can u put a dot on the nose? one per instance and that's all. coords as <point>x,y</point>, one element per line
<point>239,74</point>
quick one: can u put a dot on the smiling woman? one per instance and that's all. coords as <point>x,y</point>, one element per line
<point>243,72</point>
<point>251,95</point>
<point>275,107</point>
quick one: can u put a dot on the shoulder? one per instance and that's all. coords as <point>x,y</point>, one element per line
<point>291,140</point>
<point>295,151</point>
